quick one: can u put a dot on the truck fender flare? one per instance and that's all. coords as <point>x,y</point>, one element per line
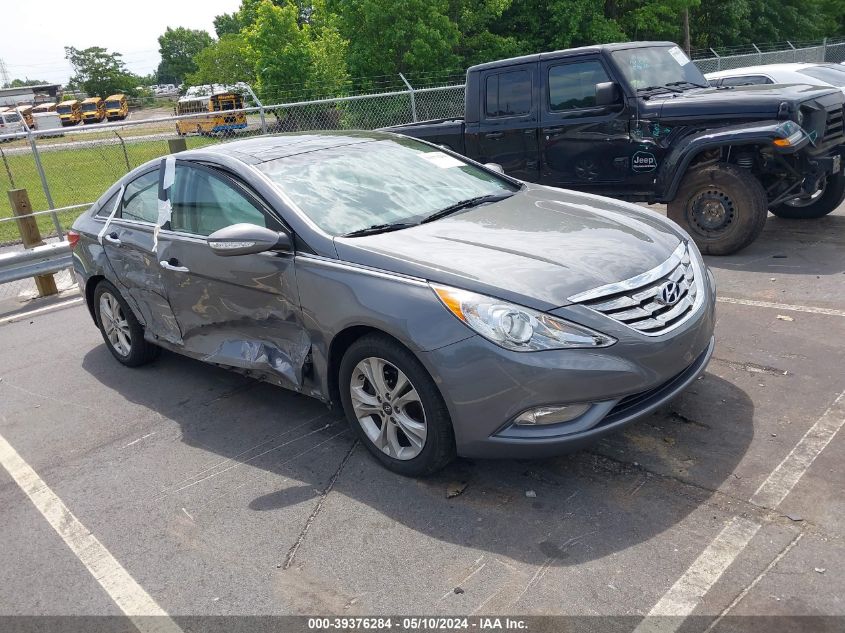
<point>682,153</point>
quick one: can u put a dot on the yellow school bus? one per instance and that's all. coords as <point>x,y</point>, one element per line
<point>93,110</point>
<point>220,117</point>
<point>44,107</point>
<point>69,112</point>
<point>26,113</point>
<point>117,107</point>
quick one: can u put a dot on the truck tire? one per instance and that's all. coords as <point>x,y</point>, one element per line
<point>828,199</point>
<point>722,207</point>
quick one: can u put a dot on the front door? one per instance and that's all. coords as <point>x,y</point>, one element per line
<point>241,311</point>
<point>507,132</point>
<point>582,145</point>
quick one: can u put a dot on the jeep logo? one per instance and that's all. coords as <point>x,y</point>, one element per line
<point>643,161</point>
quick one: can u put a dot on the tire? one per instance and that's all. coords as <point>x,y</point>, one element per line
<point>140,351</point>
<point>831,197</point>
<point>721,206</point>
<point>429,442</point>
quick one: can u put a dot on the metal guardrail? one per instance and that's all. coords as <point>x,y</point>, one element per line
<point>41,260</point>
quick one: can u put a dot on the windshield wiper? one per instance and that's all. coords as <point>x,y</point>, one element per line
<point>653,88</point>
<point>379,228</point>
<point>465,204</point>
<point>686,83</point>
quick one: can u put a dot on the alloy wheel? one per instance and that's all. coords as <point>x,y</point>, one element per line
<point>115,324</point>
<point>388,408</point>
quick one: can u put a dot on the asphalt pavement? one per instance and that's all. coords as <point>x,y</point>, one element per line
<point>218,495</point>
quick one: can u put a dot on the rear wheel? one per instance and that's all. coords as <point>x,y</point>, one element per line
<point>828,197</point>
<point>395,407</point>
<point>721,206</point>
<point>123,334</point>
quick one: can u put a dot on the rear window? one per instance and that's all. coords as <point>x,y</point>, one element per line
<point>828,74</point>
<point>508,94</point>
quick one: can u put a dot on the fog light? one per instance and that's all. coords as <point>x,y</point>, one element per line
<point>551,415</point>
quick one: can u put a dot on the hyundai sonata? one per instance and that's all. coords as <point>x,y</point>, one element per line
<point>447,308</point>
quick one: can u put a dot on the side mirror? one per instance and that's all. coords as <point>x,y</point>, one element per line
<point>248,239</point>
<point>495,167</point>
<point>607,93</point>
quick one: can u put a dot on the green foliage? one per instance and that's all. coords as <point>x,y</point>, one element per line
<point>177,48</point>
<point>227,24</point>
<point>20,83</point>
<point>98,72</point>
<point>226,61</point>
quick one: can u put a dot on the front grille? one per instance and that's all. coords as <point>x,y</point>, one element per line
<point>834,124</point>
<point>640,302</point>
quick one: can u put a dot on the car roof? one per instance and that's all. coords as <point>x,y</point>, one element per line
<point>261,149</point>
<point>582,50</point>
<point>762,69</point>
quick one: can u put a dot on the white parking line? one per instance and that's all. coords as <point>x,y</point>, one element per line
<point>127,594</point>
<point>781,306</point>
<point>685,595</point>
<point>32,313</point>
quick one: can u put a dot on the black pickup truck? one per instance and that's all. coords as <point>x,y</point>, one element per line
<point>639,121</point>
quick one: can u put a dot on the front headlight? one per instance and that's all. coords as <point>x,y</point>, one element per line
<point>515,327</point>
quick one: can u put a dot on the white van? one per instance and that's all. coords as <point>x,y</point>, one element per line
<point>10,123</point>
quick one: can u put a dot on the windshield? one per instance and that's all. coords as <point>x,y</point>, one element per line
<point>89,107</point>
<point>657,66</point>
<point>835,76</point>
<point>63,109</point>
<point>114,105</point>
<point>349,188</point>
<point>12,118</point>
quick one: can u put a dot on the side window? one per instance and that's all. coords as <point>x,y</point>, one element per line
<point>747,80</point>
<point>105,210</point>
<point>203,203</point>
<point>140,200</point>
<point>573,86</point>
<point>508,94</point>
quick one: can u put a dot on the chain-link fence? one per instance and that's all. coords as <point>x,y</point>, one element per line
<point>827,50</point>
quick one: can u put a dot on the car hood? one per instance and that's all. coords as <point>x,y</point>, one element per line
<point>537,248</point>
<point>736,102</point>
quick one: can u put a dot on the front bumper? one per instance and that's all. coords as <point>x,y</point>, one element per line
<point>623,382</point>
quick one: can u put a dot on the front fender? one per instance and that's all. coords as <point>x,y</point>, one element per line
<point>684,150</point>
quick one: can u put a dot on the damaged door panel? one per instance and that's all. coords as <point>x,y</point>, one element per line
<point>240,311</point>
<point>128,245</point>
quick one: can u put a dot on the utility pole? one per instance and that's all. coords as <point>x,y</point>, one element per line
<point>687,43</point>
<point>4,74</point>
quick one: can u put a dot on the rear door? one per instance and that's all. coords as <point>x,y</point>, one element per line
<point>508,127</point>
<point>582,144</point>
<point>129,246</point>
<point>242,311</point>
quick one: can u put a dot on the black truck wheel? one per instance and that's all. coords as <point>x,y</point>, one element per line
<point>828,198</point>
<point>721,206</point>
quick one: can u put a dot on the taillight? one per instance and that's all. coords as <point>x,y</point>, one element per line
<point>72,238</point>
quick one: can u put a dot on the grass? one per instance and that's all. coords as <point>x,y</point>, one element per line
<point>74,176</point>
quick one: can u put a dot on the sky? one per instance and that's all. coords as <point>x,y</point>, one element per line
<point>33,34</point>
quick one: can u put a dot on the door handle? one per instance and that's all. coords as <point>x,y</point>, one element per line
<point>112,238</point>
<point>173,264</point>
<point>494,135</point>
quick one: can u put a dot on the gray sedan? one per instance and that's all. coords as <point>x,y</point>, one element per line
<point>447,308</point>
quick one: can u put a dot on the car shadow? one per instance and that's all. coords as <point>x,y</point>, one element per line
<point>562,511</point>
<point>791,247</point>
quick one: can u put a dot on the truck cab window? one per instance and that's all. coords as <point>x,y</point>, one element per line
<point>508,94</point>
<point>573,86</point>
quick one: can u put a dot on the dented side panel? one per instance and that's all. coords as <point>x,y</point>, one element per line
<point>240,311</point>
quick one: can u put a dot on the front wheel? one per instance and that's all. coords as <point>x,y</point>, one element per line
<point>123,334</point>
<point>723,208</point>
<point>395,407</point>
<point>828,197</point>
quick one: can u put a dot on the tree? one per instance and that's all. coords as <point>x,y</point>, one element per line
<point>177,48</point>
<point>227,24</point>
<point>98,72</point>
<point>226,61</point>
<point>20,83</point>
